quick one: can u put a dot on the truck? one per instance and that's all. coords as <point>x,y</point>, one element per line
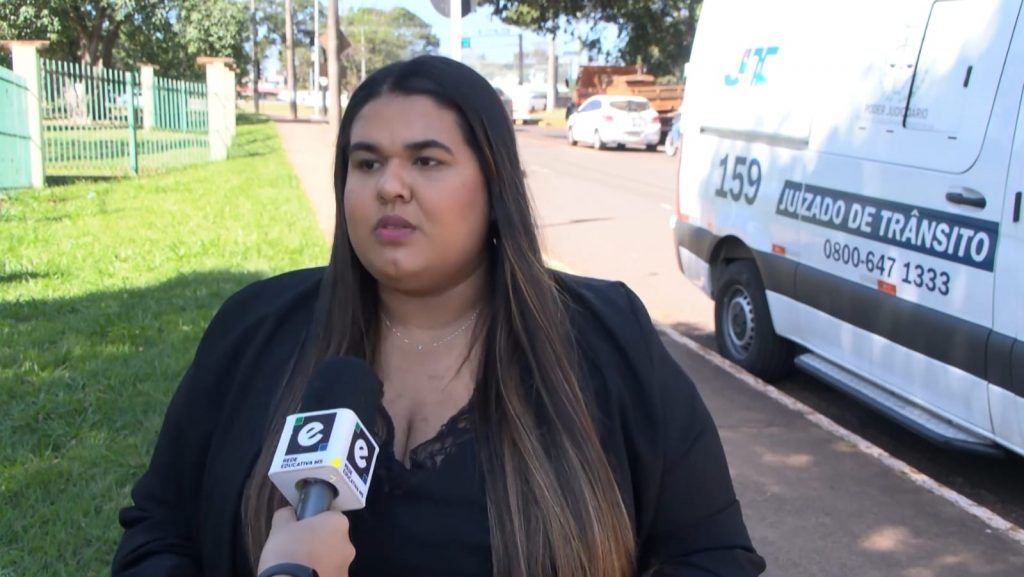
<point>592,79</point>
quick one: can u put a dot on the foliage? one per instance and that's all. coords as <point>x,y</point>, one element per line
<point>381,37</point>
<point>656,34</point>
<point>105,289</point>
<point>120,33</point>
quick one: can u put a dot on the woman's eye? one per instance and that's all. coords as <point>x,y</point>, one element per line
<point>426,161</point>
<point>366,164</point>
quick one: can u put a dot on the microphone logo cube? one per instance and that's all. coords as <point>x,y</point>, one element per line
<point>362,452</point>
<point>332,446</point>
<point>310,433</point>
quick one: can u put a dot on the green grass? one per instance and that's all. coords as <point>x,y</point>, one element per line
<point>105,289</point>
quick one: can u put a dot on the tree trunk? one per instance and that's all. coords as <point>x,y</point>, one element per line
<point>109,41</point>
<point>92,44</point>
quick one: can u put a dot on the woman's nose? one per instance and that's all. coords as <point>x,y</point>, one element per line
<point>393,184</point>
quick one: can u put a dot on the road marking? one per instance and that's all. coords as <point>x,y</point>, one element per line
<point>982,513</point>
<point>541,169</point>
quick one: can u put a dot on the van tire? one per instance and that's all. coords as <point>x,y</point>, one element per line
<point>572,139</point>
<point>598,143</point>
<point>744,331</point>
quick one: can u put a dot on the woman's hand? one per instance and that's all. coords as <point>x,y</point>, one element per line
<point>320,542</point>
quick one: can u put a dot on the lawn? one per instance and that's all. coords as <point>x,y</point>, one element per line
<point>105,289</point>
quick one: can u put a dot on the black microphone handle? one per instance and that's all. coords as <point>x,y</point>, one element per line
<point>315,497</point>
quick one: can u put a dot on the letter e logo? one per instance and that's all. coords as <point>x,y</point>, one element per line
<point>361,454</point>
<point>310,434</point>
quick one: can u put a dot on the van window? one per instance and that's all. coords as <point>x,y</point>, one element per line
<point>942,78</point>
<point>922,93</point>
<point>630,105</point>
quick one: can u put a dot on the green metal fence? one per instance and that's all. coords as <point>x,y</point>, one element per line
<point>179,131</point>
<point>95,122</point>
<point>15,146</point>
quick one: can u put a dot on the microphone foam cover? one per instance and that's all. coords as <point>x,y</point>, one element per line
<point>344,383</point>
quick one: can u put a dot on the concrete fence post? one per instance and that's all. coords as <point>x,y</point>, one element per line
<point>147,82</point>
<point>220,100</point>
<point>27,64</point>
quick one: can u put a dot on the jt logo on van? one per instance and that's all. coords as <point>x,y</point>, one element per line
<point>757,76</point>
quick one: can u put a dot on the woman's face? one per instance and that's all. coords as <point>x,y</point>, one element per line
<point>415,198</point>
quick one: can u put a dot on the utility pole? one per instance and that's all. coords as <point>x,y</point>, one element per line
<point>255,81</point>
<point>520,59</point>
<point>455,39</point>
<point>333,68</point>
<point>289,45</point>
<point>552,72</point>
<point>315,86</point>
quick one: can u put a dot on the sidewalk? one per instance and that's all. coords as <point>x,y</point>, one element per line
<point>309,146</point>
<point>816,506</point>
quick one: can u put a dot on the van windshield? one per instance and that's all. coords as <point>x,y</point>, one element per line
<point>630,105</point>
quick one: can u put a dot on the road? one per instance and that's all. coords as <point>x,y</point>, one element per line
<point>814,503</point>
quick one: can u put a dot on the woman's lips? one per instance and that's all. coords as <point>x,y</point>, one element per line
<point>393,228</point>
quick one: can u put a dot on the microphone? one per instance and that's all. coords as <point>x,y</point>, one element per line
<point>325,457</point>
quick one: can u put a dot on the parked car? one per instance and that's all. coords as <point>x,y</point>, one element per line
<point>538,101</point>
<point>506,100</point>
<point>672,138</point>
<point>611,120</point>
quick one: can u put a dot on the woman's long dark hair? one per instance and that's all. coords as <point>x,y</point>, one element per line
<point>553,503</point>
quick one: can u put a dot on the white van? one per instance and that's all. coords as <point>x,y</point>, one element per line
<point>849,193</point>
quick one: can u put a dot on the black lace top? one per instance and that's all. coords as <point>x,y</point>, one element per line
<point>431,519</point>
<point>431,515</point>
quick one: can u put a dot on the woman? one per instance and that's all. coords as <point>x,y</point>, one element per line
<point>533,422</point>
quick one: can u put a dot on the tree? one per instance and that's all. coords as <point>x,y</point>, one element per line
<point>379,38</point>
<point>168,33</point>
<point>658,35</point>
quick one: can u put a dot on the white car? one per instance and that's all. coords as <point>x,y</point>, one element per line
<point>611,120</point>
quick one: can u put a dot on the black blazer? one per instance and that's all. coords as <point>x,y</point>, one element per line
<point>661,442</point>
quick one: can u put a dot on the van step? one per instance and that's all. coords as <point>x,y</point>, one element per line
<point>935,428</point>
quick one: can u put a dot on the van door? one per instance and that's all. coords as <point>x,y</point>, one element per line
<point>1006,348</point>
<point>901,212</point>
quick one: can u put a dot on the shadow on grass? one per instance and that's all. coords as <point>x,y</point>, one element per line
<point>247,118</point>
<point>62,180</point>
<point>254,142</point>
<point>20,276</point>
<point>85,382</point>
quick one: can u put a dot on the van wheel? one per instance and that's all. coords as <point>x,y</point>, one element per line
<point>652,147</point>
<point>572,139</point>
<point>598,143</point>
<point>743,325</point>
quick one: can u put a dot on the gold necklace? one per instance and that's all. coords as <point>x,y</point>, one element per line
<point>435,344</point>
